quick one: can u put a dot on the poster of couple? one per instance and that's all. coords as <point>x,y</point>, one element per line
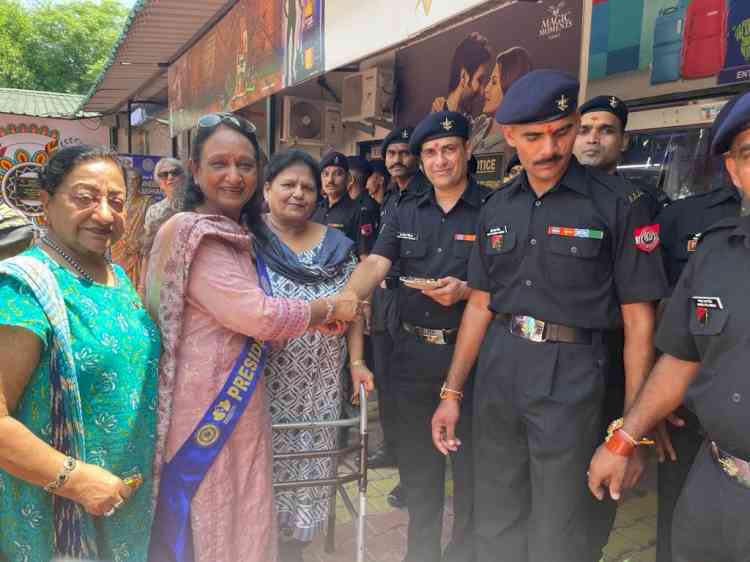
<point>472,66</point>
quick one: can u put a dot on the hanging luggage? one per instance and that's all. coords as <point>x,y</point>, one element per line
<point>704,39</point>
<point>667,50</point>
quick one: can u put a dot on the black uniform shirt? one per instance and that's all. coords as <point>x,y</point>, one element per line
<point>682,222</point>
<point>428,242</point>
<point>393,198</point>
<point>715,330</point>
<point>344,215</point>
<point>569,257</point>
<point>369,221</point>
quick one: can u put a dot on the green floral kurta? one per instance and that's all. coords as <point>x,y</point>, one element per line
<point>116,349</point>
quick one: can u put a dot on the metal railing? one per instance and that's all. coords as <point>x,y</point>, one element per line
<point>356,473</point>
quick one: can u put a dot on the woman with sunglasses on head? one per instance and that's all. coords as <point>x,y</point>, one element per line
<point>79,357</point>
<point>212,297</point>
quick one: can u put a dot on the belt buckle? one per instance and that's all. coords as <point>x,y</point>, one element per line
<point>435,337</point>
<point>531,328</point>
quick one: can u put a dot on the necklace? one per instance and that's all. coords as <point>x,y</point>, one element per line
<point>71,261</point>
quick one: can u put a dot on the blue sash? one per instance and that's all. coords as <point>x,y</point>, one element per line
<point>171,537</point>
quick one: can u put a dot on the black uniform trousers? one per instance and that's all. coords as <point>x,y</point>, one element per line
<point>418,371</point>
<point>687,442</point>
<point>712,514</point>
<point>383,300</point>
<point>537,423</point>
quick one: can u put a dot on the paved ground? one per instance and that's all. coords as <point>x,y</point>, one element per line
<point>632,540</point>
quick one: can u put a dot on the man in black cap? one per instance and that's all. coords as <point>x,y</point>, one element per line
<point>359,171</point>
<point>430,235</point>
<point>703,335</point>
<point>403,167</point>
<point>337,209</point>
<point>601,141</point>
<point>681,224</point>
<point>378,180</point>
<point>561,257</point>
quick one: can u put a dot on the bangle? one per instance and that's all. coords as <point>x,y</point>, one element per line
<point>450,394</point>
<point>69,465</point>
<point>619,444</point>
<point>358,363</point>
<point>330,307</point>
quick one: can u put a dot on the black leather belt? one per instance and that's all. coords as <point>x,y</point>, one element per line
<point>538,331</point>
<point>430,335</point>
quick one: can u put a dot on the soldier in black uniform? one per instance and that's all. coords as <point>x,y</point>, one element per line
<point>337,209</point>
<point>403,167</point>
<point>601,141</point>
<point>561,257</point>
<point>681,224</point>
<point>430,235</point>
<point>703,334</point>
<point>378,180</point>
<point>359,171</point>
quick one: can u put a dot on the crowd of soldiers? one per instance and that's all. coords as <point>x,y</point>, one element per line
<point>513,329</point>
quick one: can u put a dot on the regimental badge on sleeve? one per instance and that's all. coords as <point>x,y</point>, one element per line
<point>647,238</point>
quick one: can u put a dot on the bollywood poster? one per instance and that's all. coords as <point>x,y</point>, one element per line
<point>473,65</point>
<point>255,50</point>
<point>649,48</point>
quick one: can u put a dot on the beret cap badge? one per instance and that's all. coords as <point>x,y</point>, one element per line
<point>447,124</point>
<point>613,102</point>
<point>562,103</point>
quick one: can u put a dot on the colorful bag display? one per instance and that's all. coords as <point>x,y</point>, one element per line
<point>667,51</point>
<point>704,39</point>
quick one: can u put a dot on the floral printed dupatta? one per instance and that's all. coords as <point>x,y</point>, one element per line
<point>75,536</point>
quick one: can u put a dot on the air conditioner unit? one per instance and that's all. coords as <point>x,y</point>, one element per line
<point>311,122</point>
<point>369,95</point>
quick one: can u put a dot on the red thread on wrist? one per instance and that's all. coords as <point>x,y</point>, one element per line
<point>619,444</point>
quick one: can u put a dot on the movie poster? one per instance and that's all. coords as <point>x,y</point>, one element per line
<point>303,40</point>
<point>472,65</point>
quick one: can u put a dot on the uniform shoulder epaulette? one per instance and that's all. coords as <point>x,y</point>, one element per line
<point>723,225</point>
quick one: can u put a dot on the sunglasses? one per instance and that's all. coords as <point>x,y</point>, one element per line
<point>166,173</point>
<point>214,119</point>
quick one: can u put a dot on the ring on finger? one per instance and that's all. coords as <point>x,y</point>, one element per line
<point>109,513</point>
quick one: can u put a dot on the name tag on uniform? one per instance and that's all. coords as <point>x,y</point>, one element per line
<point>406,236</point>
<point>575,232</point>
<point>465,237</point>
<point>708,302</point>
<point>692,244</point>
<point>702,307</point>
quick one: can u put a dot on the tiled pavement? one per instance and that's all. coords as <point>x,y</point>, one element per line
<point>633,538</point>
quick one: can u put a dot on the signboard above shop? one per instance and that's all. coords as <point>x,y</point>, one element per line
<point>255,50</point>
<point>648,48</point>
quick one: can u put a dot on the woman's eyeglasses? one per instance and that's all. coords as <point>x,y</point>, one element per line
<point>214,119</point>
<point>167,173</point>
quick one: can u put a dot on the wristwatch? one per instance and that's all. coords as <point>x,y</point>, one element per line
<point>450,394</point>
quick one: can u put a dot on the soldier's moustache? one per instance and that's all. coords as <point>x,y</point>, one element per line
<point>551,160</point>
